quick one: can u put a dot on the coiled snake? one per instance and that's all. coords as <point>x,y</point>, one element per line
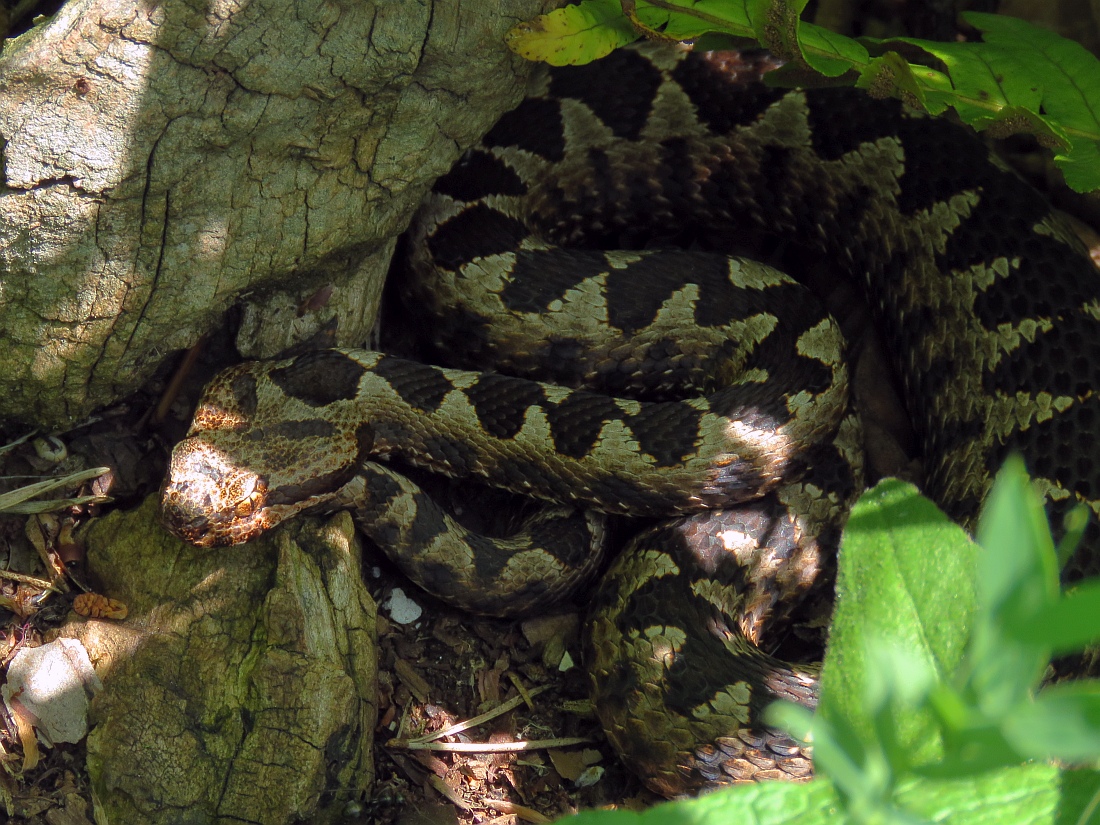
<point>686,385</point>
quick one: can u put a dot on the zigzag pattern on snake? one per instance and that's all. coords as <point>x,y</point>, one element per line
<point>684,382</point>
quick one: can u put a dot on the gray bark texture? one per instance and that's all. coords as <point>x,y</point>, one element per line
<point>164,161</point>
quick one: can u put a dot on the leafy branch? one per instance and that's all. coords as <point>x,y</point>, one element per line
<point>1018,79</point>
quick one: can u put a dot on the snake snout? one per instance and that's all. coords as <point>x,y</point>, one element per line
<point>208,501</point>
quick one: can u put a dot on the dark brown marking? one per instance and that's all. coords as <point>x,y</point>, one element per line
<point>721,104</point>
<point>1000,225</point>
<point>680,169</point>
<point>477,175</point>
<point>318,485</point>
<point>631,496</point>
<point>420,385</point>
<point>1054,449</point>
<point>244,393</point>
<point>501,402</point>
<point>477,232</point>
<point>636,292</point>
<point>566,539</point>
<point>623,105</point>
<point>535,126</point>
<point>576,422</point>
<point>364,439</point>
<point>540,278</point>
<point>720,302</point>
<point>761,406</point>
<point>373,515</point>
<point>942,160</point>
<point>841,120</point>
<point>489,558</point>
<point>788,371</point>
<point>428,524</point>
<point>667,431</point>
<point>1064,361</point>
<point>319,378</point>
<point>457,458</point>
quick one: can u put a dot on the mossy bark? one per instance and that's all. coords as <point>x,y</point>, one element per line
<point>165,161</point>
<point>242,687</point>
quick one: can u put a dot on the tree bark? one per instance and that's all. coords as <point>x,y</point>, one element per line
<point>165,161</point>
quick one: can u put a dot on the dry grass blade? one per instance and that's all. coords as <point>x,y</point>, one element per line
<point>489,747</point>
<point>18,501</point>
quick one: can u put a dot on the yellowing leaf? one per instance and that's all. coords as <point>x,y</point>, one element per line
<point>572,35</point>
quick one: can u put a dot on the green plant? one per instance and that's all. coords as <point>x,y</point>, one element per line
<point>1020,78</point>
<point>931,707</point>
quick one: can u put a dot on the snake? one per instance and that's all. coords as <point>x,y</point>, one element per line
<point>598,340</point>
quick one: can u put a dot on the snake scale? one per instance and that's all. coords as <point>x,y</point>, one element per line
<point>683,384</point>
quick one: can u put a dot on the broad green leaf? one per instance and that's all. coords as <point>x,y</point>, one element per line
<point>1068,75</point>
<point>1017,581</point>
<point>1073,524</point>
<point>891,76</point>
<point>1065,626</point>
<point>830,53</point>
<point>689,19</point>
<point>1062,723</point>
<point>973,744</point>
<point>906,581</point>
<point>1081,166</point>
<point>776,24</point>
<point>1016,120</point>
<point>573,34</point>
<point>1035,794</point>
<point>770,803</point>
<point>1024,79</point>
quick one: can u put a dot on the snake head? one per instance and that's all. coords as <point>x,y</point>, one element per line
<point>209,501</point>
<point>254,458</point>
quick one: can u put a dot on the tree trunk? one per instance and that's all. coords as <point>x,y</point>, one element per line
<point>165,161</point>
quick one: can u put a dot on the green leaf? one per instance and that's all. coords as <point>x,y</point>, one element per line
<point>1068,74</point>
<point>776,23</point>
<point>1063,723</point>
<point>830,53</point>
<point>1022,79</point>
<point>905,581</point>
<point>1081,165</point>
<point>1018,581</point>
<point>1036,794</point>
<point>771,803</point>
<point>1066,625</point>
<point>573,34</point>
<point>689,19</point>
<point>891,76</point>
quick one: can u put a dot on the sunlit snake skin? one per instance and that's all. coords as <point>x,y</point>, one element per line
<point>989,306</point>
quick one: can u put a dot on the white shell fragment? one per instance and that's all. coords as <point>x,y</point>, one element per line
<point>401,608</point>
<point>53,683</point>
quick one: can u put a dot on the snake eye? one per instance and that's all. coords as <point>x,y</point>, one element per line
<point>252,501</point>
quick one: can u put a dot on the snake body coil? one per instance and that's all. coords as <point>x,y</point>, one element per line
<point>684,382</point>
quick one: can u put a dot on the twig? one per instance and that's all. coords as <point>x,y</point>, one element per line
<point>489,715</point>
<point>522,811</point>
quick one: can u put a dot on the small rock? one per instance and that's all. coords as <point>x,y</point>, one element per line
<point>401,608</point>
<point>54,683</point>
